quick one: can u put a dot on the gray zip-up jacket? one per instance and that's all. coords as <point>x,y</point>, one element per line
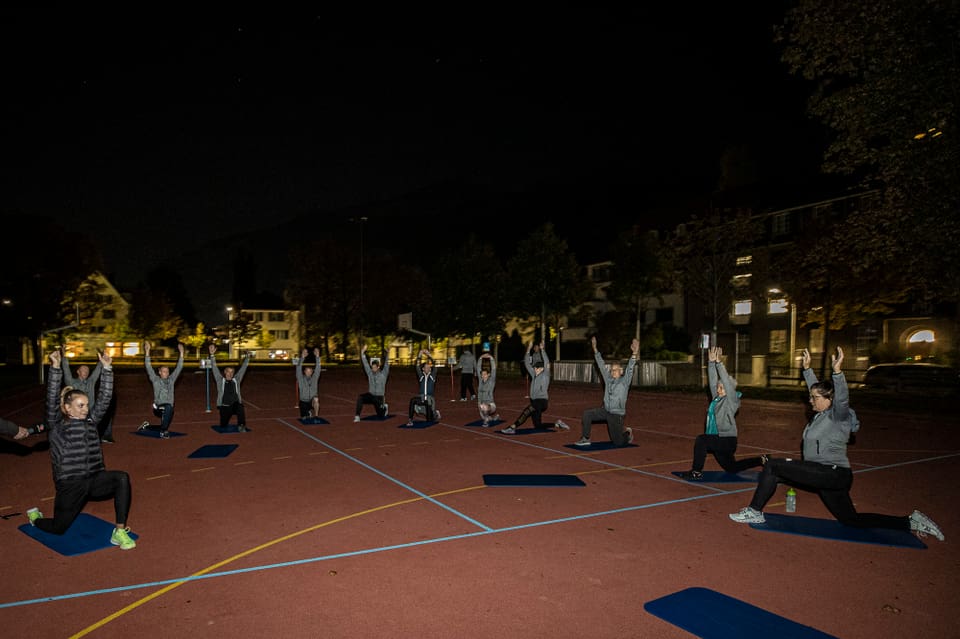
<point>307,385</point>
<point>486,387</point>
<point>467,363</point>
<point>725,410</point>
<point>615,390</point>
<point>376,382</point>
<point>219,380</point>
<point>86,385</point>
<point>162,388</point>
<point>539,384</point>
<point>825,437</point>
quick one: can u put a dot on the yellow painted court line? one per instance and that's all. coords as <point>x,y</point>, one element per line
<point>244,463</point>
<point>357,448</point>
<point>247,553</point>
<point>320,452</point>
<point>420,444</point>
<point>387,446</point>
<point>158,477</point>
<point>284,457</point>
<point>203,470</point>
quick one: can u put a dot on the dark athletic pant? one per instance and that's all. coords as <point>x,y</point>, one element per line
<point>723,449</point>
<point>375,400</point>
<point>614,424</point>
<point>832,483</point>
<point>236,408</point>
<point>535,411</point>
<point>72,496</point>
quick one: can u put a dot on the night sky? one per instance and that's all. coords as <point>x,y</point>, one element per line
<point>159,133</point>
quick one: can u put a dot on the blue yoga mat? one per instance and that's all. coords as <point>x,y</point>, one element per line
<point>86,534</point>
<point>374,418</point>
<point>833,529</point>
<point>229,428</point>
<point>723,477</point>
<point>310,421</point>
<point>418,424</point>
<point>479,422</point>
<point>149,432</point>
<point>598,446</point>
<point>711,615</point>
<point>214,450</point>
<point>532,480</point>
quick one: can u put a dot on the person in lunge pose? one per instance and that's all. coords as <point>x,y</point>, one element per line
<point>424,401</point>
<point>720,431</point>
<point>163,382</point>
<point>308,381</point>
<point>488,382</point>
<point>616,384</point>
<point>76,455</point>
<point>229,399</point>
<point>376,385</point>
<point>825,468</point>
<point>539,392</point>
<point>86,381</point>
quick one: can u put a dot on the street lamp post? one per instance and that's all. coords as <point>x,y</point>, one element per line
<point>229,332</point>
<point>360,221</point>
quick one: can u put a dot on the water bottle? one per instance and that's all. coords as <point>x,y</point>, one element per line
<point>791,500</point>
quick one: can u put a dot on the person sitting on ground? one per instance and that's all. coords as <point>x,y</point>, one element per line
<point>616,383</point>
<point>76,454</point>
<point>720,432</point>
<point>376,385</point>
<point>424,402</point>
<point>308,382</point>
<point>824,468</point>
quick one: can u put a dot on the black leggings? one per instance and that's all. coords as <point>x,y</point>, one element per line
<point>723,449</point>
<point>236,408</point>
<point>832,483</point>
<point>72,496</point>
<point>535,411</point>
<point>375,400</point>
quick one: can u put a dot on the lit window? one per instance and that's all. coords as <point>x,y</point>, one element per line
<point>777,306</point>
<point>922,336</point>
<point>778,341</point>
<point>741,280</point>
<point>743,307</point>
<point>744,259</point>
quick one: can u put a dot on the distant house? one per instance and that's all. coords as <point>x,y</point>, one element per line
<point>101,327</point>
<point>279,336</point>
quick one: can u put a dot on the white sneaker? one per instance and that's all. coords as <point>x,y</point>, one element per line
<point>561,426</point>
<point>436,414</point>
<point>509,430</point>
<point>583,443</point>
<point>144,426</point>
<point>386,409</point>
<point>356,418</point>
<point>629,435</point>
<point>923,525</point>
<point>748,516</point>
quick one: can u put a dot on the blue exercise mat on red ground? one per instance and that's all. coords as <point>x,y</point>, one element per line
<point>833,529</point>
<point>229,428</point>
<point>479,422</point>
<point>723,477</point>
<point>712,615</point>
<point>154,431</point>
<point>86,534</point>
<point>374,418</point>
<point>311,421</point>
<point>418,424</point>
<point>532,480</point>
<point>214,450</point>
<point>607,445</point>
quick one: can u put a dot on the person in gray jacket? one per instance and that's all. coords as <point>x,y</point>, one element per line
<point>229,399</point>
<point>720,431</point>
<point>825,468</point>
<point>163,381</point>
<point>488,382</point>
<point>376,385</point>
<point>616,384</point>
<point>468,367</point>
<point>539,393</point>
<point>19,432</point>
<point>86,380</point>
<point>308,381</point>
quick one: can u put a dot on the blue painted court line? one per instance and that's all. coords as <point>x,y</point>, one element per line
<point>388,477</point>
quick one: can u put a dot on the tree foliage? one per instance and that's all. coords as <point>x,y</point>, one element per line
<point>887,77</point>
<point>640,274</point>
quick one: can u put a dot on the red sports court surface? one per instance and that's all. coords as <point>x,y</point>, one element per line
<point>373,530</point>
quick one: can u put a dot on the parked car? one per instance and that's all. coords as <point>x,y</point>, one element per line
<point>919,379</point>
